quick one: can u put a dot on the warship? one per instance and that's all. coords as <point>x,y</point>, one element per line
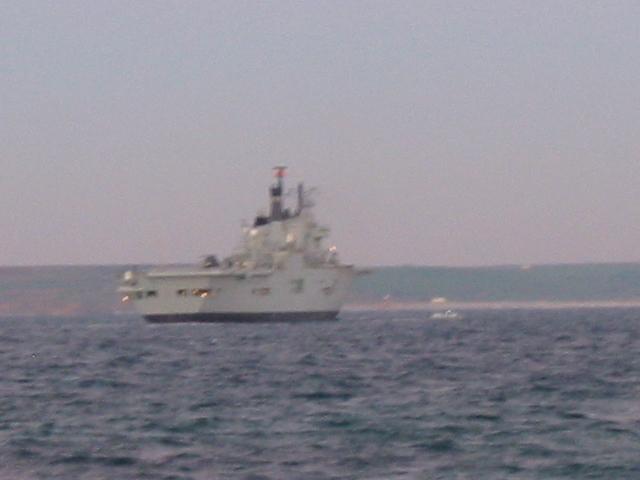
<point>281,271</point>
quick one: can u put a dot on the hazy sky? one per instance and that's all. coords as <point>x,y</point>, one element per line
<point>438,132</point>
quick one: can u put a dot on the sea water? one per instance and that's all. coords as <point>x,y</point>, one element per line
<point>522,394</point>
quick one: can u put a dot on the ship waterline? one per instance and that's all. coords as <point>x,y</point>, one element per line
<point>243,317</point>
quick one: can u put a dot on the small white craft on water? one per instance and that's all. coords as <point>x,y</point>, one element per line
<point>448,315</point>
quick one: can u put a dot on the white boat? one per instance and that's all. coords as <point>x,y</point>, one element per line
<point>281,272</point>
<point>448,314</point>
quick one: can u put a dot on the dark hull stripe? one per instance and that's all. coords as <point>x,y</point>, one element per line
<point>242,317</point>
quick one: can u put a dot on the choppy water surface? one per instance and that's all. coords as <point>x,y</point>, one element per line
<point>377,395</point>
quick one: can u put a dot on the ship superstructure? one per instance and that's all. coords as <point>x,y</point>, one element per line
<point>281,271</point>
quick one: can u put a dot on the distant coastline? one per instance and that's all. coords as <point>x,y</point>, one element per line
<point>431,307</point>
<point>71,291</point>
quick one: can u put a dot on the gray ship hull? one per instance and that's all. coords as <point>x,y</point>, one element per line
<point>280,272</point>
<point>234,317</point>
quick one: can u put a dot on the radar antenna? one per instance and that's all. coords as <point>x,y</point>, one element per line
<point>304,197</point>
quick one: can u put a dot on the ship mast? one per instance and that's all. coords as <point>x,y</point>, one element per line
<point>300,198</point>
<point>276,193</point>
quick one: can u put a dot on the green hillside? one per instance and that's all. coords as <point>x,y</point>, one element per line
<point>588,282</point>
